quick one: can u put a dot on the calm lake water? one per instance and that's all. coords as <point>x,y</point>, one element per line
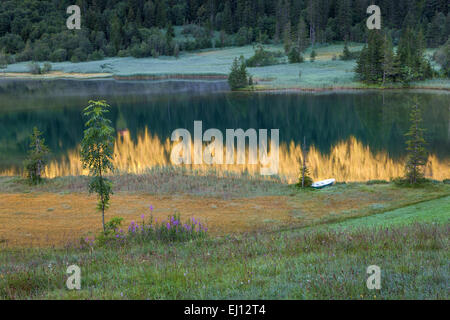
<point>354,136</point>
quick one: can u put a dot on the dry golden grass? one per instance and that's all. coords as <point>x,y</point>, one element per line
<point>45,219</point>
<point>42,219</point>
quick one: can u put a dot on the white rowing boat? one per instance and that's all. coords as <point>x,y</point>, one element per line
<point>323,183</point>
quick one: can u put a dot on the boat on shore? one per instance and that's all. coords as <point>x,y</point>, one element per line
<point>323,183</point>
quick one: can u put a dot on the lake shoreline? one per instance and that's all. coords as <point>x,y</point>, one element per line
<point>58,75</point>
<point>324,74</point>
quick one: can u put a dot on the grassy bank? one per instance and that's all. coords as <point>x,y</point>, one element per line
<point>323,74</point>
<point>267,240</point>
<point>319,264</point>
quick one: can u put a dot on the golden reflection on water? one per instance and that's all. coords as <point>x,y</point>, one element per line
<point>348,161</point>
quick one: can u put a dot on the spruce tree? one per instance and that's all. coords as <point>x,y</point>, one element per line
<point>238,77</point>
<point>417,154</point>
<point>304,177</point>
<point>361,68</point>
<point>411,50</point>
<point>388,60</point>
<point>369,65</point>
<point>37,157</point>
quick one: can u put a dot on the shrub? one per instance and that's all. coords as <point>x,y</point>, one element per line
<point>446,181</point>
<point>80,55</point>
<point>442,57</point>
<point>346,54</point>
<point>97,55</point>
<point>58,55</point>
<point>4,60</point>
<point>295,56</point>
<point>47,67</point>
<point>371,182</point>
<point>34,68</point>
<point>262,58</point>
<point>250,80</point>
<point>313,56</point>
<point>112,232</point>
<point>405,182</point>
<point>123,53</point>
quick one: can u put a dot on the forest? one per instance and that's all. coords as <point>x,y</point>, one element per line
<point>36,29</point>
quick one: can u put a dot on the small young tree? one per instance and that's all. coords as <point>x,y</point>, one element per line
<point>295,56</point>
<point>238,76</point>
<point>417,155</point>
<point>304,178</point>
<point>37,157</point>
<point>47,67</point>
<point>97,150</point>
<point>250,80</point>
<point>346,54</point>
<point>176,50</point>
<point>313,55</point>
<point>34,68</point>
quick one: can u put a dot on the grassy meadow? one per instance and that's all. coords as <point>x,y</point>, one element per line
<point>324,73</point>
<point>266,240</point>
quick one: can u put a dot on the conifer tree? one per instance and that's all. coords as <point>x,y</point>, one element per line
<point>388,60</point>
<point>37,157</point>
<point>361,68</point>
<point>238,77</point>
<point>417,155</point>
<point>369,66</point>
<point>304,178</point>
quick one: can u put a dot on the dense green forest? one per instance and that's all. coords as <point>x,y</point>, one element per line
<point>379,63</point>
<point>36,29</point>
